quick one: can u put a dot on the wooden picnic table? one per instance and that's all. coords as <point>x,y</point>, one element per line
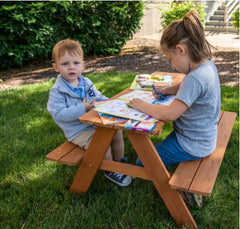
<point>153,169</point>
<point>191,176</point>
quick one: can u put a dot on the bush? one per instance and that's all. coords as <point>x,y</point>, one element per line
<point>30,29</point>
<point>236,20</point>
<point>178,10</point>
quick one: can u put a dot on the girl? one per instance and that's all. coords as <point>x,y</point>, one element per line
<point>196,106</point>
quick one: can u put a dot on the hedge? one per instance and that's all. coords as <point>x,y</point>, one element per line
<point>29,30</point>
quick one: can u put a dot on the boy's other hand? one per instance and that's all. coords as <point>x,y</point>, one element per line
<point>88,105</point>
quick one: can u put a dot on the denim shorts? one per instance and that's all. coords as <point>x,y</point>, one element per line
<point>171,152</point>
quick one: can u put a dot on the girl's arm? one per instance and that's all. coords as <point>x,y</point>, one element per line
<point>162,112</point>
<point>169,90</point>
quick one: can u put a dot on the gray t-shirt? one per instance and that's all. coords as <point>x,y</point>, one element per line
<point>196,128</point>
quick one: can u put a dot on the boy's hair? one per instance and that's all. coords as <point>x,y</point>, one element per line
<point>67,45</point>
<point>188,31</point>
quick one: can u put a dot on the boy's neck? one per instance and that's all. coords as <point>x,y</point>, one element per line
<point>74,82</point>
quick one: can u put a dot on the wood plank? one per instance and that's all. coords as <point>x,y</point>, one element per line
<point>90,117</point>
<point>91,160</point>
<point>207,173</point>
<point>74,157</point>
<point>60,151</point>
<point>183,176</point>
<point>159,175</point>
<point>127,90</point>
<point>199,176</point>
<point>124,168</point>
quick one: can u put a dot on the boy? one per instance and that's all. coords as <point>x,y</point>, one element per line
<point>73,95</point>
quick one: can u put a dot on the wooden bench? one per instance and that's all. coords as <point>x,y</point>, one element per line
<point>199,176</point>
<point>191,176</point>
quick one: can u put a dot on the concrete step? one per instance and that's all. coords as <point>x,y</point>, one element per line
<point>221,29</point>
<point>217,18</point>
<point>219,12</point>
<point>216,23</point>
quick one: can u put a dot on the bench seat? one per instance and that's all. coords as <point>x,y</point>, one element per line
<point>199,176</point>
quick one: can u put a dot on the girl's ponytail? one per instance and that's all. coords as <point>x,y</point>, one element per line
<point>188,31</point>
<point>194,28</point>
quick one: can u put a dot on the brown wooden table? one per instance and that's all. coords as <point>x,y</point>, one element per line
<point>153,169</point>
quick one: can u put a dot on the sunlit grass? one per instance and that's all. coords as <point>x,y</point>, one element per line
<point>34,192</point>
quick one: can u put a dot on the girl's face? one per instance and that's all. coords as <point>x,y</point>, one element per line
<point>178,57</point>
<point>69,66</point>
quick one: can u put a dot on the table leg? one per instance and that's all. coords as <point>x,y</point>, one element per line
<point>159,175</point>
<point>92,159</point>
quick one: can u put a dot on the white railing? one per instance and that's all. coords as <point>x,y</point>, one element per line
<point>230,7</point>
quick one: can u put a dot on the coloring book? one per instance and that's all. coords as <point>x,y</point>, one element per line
<point>118,107</point>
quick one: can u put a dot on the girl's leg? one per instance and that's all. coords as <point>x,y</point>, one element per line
<point>171,152</point>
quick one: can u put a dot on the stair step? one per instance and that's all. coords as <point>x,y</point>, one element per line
<point>217,18</point>
<point>219,12</point>
<point>216,23</point>
<point>220,29</point>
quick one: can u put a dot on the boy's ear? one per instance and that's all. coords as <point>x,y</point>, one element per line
<point>55,67</point>
<point>181,49</point>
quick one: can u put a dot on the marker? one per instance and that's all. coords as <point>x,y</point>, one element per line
<point>158,93</point>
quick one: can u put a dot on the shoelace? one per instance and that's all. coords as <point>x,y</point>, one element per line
<point>118,175</point>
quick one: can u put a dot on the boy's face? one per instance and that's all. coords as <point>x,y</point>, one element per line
<point>70,67</point>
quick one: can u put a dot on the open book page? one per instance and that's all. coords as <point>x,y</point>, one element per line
<point>147,97</point>
<point>120,108</point>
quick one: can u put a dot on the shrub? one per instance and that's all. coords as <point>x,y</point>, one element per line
<point>178,10</point>
<point>236,20</point>
<point>30,29</point>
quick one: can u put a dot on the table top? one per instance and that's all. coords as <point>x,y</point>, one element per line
<point>92,117</point>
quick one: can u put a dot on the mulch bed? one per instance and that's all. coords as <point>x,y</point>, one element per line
<point>137,56</point>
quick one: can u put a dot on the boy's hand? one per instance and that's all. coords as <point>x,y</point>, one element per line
<point>88,105</point>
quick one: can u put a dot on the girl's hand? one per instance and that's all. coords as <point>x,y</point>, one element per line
<point>136,103</point>
<point>88,105</point>
<point>162,90</point>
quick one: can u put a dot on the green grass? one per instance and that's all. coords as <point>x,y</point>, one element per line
<point>34,192</point>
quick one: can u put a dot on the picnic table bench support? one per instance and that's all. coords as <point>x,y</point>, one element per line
<point>160,178</point>
<point>92,161</point>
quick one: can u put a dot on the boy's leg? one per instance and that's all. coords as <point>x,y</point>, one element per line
<point>118,146</point>
<point>84,139</point>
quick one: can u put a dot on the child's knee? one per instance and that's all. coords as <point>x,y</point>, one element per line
<point>118,136</point>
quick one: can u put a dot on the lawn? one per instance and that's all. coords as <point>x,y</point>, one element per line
<point>34,192</point>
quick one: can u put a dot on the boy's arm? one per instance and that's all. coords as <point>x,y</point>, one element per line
<point>59,110</point>
<point>92,92</point>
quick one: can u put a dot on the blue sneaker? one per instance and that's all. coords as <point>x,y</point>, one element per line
<point>118,178</point>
